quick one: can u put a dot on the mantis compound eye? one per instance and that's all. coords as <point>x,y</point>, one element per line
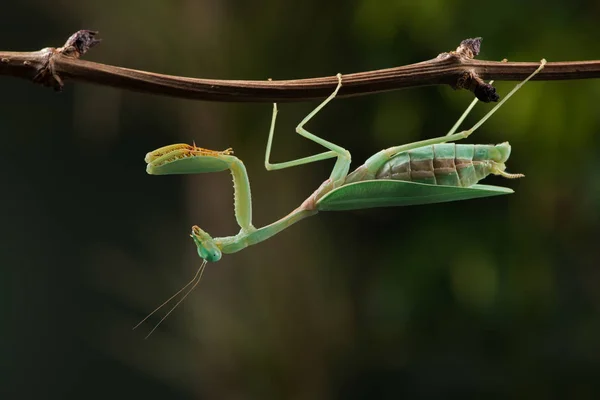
<point>208,254</point>
<point>207,248</point>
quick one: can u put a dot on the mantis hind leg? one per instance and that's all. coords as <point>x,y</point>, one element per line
<point>342,165</point>
<point>467,111</point>
<point>376,161</point>
<point>464,115</point>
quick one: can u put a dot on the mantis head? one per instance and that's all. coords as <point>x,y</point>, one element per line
<point>187,159</point>
<point>207,248</point>
<point>498,156</point>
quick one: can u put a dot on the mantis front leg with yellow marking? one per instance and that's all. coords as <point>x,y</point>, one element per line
<point>424,172</point>
<point>186,159</point>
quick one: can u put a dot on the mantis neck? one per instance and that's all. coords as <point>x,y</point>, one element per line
<point>249,237</point>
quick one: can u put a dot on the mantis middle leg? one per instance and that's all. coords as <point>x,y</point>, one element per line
<point>342,165</point>
<point>376,161</point>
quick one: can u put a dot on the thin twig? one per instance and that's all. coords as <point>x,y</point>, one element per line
<point>50,66</point>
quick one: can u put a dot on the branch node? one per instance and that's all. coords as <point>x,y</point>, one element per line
<point>471,81</point>
<point>76,45</point>
<point>79,43</point>
<point>46,74</point>
<point>469,48</point>
<point>485,92</point>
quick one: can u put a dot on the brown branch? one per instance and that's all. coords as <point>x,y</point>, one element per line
<point>459,69</point>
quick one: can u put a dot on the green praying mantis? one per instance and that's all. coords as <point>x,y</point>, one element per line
<point>423,172</point>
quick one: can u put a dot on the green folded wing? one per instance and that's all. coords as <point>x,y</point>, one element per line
<point>388,193</point>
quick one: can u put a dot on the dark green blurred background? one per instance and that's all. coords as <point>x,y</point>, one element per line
<point>488,297</point>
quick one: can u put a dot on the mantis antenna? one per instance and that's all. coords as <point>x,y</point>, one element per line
<point>195,280</point>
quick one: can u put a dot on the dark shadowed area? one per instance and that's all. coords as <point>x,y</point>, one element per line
<point>492,297</point>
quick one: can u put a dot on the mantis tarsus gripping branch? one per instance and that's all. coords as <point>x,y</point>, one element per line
<point>423,172</point>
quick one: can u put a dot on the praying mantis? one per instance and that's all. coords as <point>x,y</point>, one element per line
<point>423,172</point>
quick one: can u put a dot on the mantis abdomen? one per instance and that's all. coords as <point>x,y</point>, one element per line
<point>446,164</point>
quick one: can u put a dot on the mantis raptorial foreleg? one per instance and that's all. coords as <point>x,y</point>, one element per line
<point>376,161</point>
<point>342,165</point>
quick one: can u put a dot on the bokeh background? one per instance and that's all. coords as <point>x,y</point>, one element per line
<point>496,297</point>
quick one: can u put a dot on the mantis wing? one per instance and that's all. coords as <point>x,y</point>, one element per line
<point>387,193</point>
